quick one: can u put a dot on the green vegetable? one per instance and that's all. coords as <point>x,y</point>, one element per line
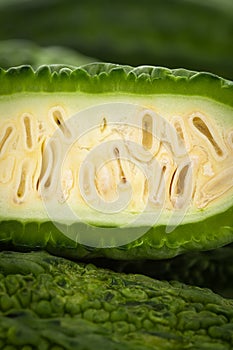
<point>193,34</point>
<point>72,140</point>
<point>212,269</point>
<point>21,52</point>
<point>48,301</point>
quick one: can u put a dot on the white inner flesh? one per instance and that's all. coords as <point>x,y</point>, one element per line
<point>199,178</point>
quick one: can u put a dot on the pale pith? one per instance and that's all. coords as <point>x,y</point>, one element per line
<point>204,170</point>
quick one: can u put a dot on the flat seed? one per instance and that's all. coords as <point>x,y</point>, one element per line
<point>201,126</point>
<point>57,116</point>
<point>147,127</point>
<point>5,137</point>
<point>28,132</point>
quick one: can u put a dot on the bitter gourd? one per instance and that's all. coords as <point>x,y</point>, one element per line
<point>23,52</point>
<point>48,302</point>
<point>210,269</point>
<point>191,34</point>
<point>109,160</point>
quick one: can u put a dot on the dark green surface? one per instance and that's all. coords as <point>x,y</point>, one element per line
<point>47,301</point>
<point>193,34</point>
<point>212,269</point>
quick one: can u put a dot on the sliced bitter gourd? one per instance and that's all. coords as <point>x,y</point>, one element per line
<point>109,160</point>
<point>47,301</point>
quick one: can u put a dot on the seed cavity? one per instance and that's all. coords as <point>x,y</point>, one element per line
<point>181,186</point>
<point>50,166</point>
<point>67,184</point>
<point>28,131</point>
<point>121,171</point>
<point>156,182</point>
<point>103,125</point>
<point>179,130</point>
<point>202,127</point>
<point>96,185</point>
<point>23,187</point>
<point>105,182</point>
<point>145,190</point>
<point>59,121</point>
<point>182,135</point>
<point>216,187</point>
<point>147,129</point>
<point>5,138</point>
<point>86,177</point>
<point>170,138</point>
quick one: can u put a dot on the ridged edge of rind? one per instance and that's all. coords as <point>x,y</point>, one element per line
<point>208,234</point>
<point>107,78</point>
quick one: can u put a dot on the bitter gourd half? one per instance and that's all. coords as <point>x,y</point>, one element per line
<point>115,161</point>
<point>50,303</point>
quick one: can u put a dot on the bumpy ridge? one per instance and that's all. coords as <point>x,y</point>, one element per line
<point>44,298</point>
<point>107,78</point>
<point>212,269</point>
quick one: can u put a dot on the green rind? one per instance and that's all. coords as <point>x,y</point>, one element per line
<point>56,302</point>
<point>109,78</point>
<point>154,244</point>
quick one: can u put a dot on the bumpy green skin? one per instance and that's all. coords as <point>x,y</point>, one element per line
<point>193,34</point>
<point>100,78</point>
<point>21,52</point>
<point>48,301</point>
<point>212,269</point>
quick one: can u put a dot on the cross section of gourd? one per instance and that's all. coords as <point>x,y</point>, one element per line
<point>169,152</point>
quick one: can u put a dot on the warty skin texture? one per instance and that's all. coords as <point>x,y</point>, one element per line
<point>49,301</point>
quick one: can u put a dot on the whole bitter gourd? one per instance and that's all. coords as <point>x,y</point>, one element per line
<point>115,161</point>
<point>24,52</point>
<point>50,303</point>
<point>192,34</point>
<point>210,269</point>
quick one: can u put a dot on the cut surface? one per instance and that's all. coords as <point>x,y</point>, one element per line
<point>191,150</point>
